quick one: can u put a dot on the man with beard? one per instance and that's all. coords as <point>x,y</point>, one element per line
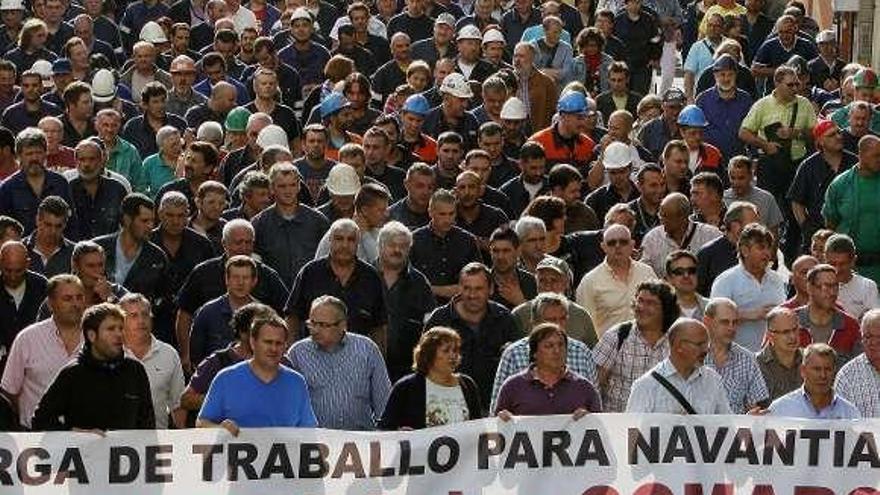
<point>96,196</point>
<point>725,106</point>
<point>536,90</point>
<point>859,125</point>
<point>450,114</point>
<point>31,108</point>
<point>336,117</point>
<point>200,161</point>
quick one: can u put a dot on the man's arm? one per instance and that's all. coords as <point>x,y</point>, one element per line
<point>445,291</point>
<point>181,329</point>
<point>799,211</point>
<point>191,400</point>
<point>752,139</point>
<point>761,70</point>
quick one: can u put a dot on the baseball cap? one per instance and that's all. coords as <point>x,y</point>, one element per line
<point>61,66</point>
<point>724,62</point>
<point>674,95</point>
<point>557,265</point>
<point>822,127</point>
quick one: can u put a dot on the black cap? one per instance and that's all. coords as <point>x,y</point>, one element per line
<point>724,62</point>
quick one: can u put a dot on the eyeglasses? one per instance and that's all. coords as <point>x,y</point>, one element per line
<point>323,324</point>
<point>678,272</point>
<point>617,242</point>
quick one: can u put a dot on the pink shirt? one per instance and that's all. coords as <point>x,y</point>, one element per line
<point>37,354</point>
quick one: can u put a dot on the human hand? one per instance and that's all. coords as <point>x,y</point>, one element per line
<point>230,426</point>
<point>505,415</point>
<point>579,413</point>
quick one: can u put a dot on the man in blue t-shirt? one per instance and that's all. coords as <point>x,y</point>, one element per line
<point>259,392</point>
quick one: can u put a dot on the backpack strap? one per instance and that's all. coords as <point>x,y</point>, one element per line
<point>674,392</point>
<point>623,333</point>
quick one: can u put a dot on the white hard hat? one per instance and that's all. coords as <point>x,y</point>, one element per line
<point>11,5</point>
<point>272,134</point>
<point>617,155</point>
<point>514,109</point>
<point>343,180</point>
<point>456,85</point>
<point>493,36</point>
<point>469,32</point>
<point>300,13</point>
<point>103,86</point>
<point>44,69</point>
<point>153,33</point>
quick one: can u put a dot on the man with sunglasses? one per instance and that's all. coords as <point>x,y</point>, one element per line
<point>681,273</point>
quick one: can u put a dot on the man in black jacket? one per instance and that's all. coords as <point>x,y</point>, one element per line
<point>102,389</point>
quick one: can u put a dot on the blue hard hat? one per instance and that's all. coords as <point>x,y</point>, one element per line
<point>572,102</point>
<point>692,116</point>
<point>416,104</point>
<point>333,103</point>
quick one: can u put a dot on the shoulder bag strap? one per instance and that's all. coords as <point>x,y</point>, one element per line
<point>675,393</point>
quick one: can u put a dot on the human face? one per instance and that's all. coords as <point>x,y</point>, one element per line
<point>359,19</point>
<point>395,253</point>
<point>787,31</point>
<point>571,193</point>
<point>551,281</point>
<point>68,304</point>
<point>441,70</point>
<point>79,55</point>
<point>493,52</point>
<point>604,24</point>
<point>412,125</point>
<point>869,158</point>
<point>619,129</point>
<point>532,245</point>
<point>107,340</point>
<point>108,127</point>
<point>212,205</point>
<point>492,145</point>
<point>195,168</point>
<point>799,274</point>
<point>454,106</point>
<point>652,187</point>
<point>343,246</point>
<point>468,190</point>
<point>442,217</point>
<point>818,374</point>
<point>38,39</point>
<point>419,188</point>
<point>618,247</point>
<point>551,353</point>
<point>240,281</point>
<point>552,34</point>
<point>475,290</point>
<point>447,358</point>
<point>493,101</point>
<point>31,88</point>
<point>786,88</point>
<point>416,8</point>
<point>533,170</point>
<point>257,199</point>
<point>315,145</point>
<point>619,178</point>
<point>740,180</point>
<point>50,229</point>
<point>481,167</point>
<point>725,79</point>
<point>12,18</point>
<point>155,107</point>
<point>90,268</point>
<point>285,189</point>
<point>692,346</point>
<point>240,241</point>
<point>144,57</point>
<point>469,50</point>
<point>141,225</point>
<point>858,122</point>
<point>180,40</point>
<point>138,323</point>
<point>756,257</point>
<point>683,276</point>
<point>504,256</point>
<point>714,27</point>
<point>266,86</point>
<point>375,215</point>
<point>648,309</point>
<point>693,136</point>
<point>7,80</point>
<point>54,11</point>
<point>375,150</point>
<point>268,346</point>
<point>843,263</point>
<point>722,326</point>
<point>326,326</point>
<point>871,339</point>
<point>823,291</point>
<point>523,59</point>
<point>13,267</point>
<point>32,159</point>
<point>172,146</point>
<point>418,80</point>
<point>358,96</point>
<point>617,82</point>
<point>400,49</point>
<point>89,162</point>
<point>783,333</point>
<point>633,6</point>
<point>448,156</point>
<point>174,219</point>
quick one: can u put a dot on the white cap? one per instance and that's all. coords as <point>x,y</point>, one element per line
<point>44,69</point>
<point>826,36</point>
<point>272,134</point>
<point>469,32</point>
<point>103,86</point>
<point>153,33</point>
<point>493,36</point>
<point>446,18</point>
<point>343,180</point>
<point>617,155</point>
<point>456,85</point>
<point>11,5</point>
<point>514,109</point>
<point>300,13</point>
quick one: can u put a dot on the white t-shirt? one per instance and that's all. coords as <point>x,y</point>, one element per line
<point>444,405</point>
<point>17,293</point>
<point>466,68</point>
<point>858,296</point>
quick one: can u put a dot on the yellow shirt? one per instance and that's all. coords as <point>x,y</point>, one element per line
<point>607,299</point>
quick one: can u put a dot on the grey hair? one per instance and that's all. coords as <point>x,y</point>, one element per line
<point>332,301</point>
<point>545,299</point>
<point>258,117</point>
<point>343,226</point>
<point>819,349</point>
<point>273,154</point>
<point>164,133</point>
<point>528,223</point>
<point>238,223</point>
<point>210,131</point>
<point>173,199</point>
<point>400,35</point>
<point>715,303</point>
<point>394,230</point>
<point>616,210</point>
<point>29,137</point>
<point>136,298</point>
<point>527,45</point>
<point>56,120</point>
<point>869,315</point>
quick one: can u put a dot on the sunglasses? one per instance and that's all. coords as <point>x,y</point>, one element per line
<point>678,272</point>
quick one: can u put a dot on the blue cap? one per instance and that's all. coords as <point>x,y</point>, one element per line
<point>416,104</point>
<point>333,104</point>
<point>724,62</point>
<point>692,116</point>
<point>572,102</point>
<point>61,66</point>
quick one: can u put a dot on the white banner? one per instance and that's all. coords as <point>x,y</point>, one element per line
<point>604,454</point>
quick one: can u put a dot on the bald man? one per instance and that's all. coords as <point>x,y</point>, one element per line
<point>681,383</point>
<point>23,292</point>
<point>848,209</point>
<point>222,100</point>
<point>799,270</point>
<point>676,231</point>
<point>181,96</point>
<point>607,291</point>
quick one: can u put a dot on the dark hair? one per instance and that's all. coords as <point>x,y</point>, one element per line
<point>504,233</point>
<point>10,223</point>
<point>588,34</point>
<point>420,168</point>
<point>60,279</point>
<point>213,58</point>
<point>607,13</point>
<point>153,89</point>
<point>563,174</point>
<point>208,151</point>
<point>449,137</point>
<point>474,154</point>
<point>541,332</point>
<point>272,320</point>
<point>648,167</point>
<point>620,67</point>
<point>243,317</point>
<point>532,150</point>
<point>378,132</point>
<point>754,233</point>
<point>240,261</point>
<point>95,315</point>
<point>547,208</point>
<point>226,36</point>
<point>55,206</point>
<point>74,91</point>
<point>426,350</point>
<point>7,65</point>
<point>711,180</point>
<point>133,202</point>
<point>264,43</point>
<point>741,161</point>
<point>356,78</point>
<point>490,128</point>
<point>370,194</point>
<point>83,248</point>
<point>677,255</point>
<point>668,300</point>
<point>510,80</point>
<point>818,270</point>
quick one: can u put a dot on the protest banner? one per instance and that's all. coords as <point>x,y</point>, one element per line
<point>603,454</point>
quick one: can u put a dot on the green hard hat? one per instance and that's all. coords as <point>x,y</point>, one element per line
<point>237,119</point>
<point>865,78</point>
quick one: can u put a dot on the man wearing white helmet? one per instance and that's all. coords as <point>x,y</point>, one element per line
<point>440,45</point>
<point>616,159</point>
<point>450,114</point>
<point>469,61</point>
<point>369,207</point>
<point>342,184</point>
<point>13,17</point>
<point>494,46</point>
<point>515,121</point>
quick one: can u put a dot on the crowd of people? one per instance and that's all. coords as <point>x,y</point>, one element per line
<point>409,214</point>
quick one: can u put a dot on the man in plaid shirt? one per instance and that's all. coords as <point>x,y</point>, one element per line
<point>859,380</point>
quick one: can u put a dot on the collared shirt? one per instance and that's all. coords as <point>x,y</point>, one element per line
<point>194,248</point>
<point>858,296</point>
<point>98,215</point>
<point>125,159</point>
<point>780,380</point>
<point>441,258</point>
<point>124,263</point>
<point>797,404</point>
<point>206,282</point>
<point>166,379</point>
<point>157,173</point>
<point>401,212</point>
<point>348,384</point>
<point>657,244</point>
<point>724,117</point>
<point>700,57</point>
<point>309,63</point>
<point>362,294</point>
<point>20,202</point>
<point>36,356</point>
<point>607,299</point>
<point>859,382</point>
<point>143,137</point>
<point>703,389</point>
<point>288,244</point>
<point>769,213</point>
<point>750,293</point>
<point>634,358</point>
<point>515,358</point>
<point>579,325</point>
<point>210,329</point>
<point>524,394</point>
<point>742,378</point>
<point>56,263</point>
